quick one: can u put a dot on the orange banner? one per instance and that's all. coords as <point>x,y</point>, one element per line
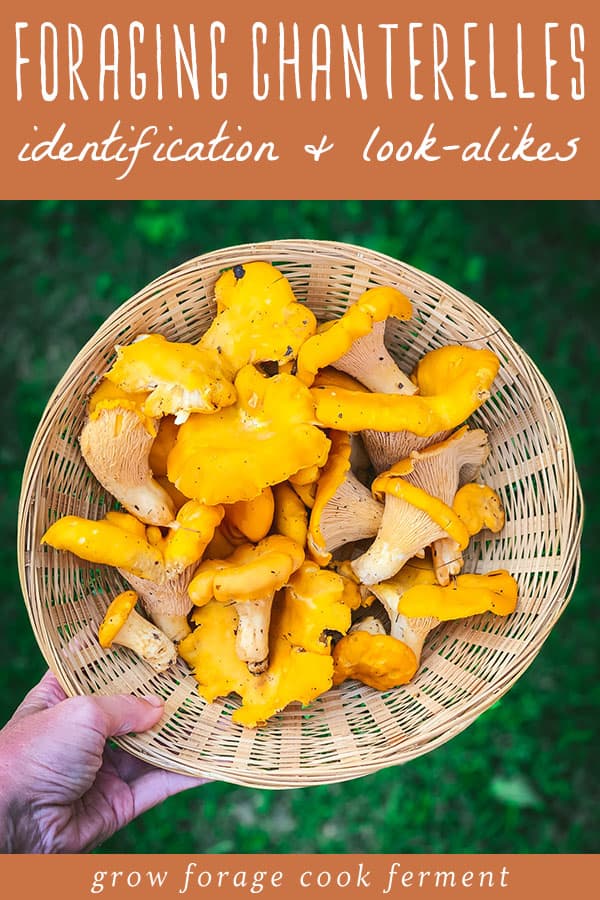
<point>335,100</point>
<point>121,877</point>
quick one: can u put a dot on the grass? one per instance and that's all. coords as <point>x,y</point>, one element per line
<point>523,777</point>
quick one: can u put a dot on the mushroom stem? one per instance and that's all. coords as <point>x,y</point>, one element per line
<point>175,627</point>
<point>147,641</point>
<point>252,637</point>
<point>123,625</point>
<point>384,376</point>
<point>116,447</point>
<point>166,602</point>
<point>447,559</point>
<point>411,632</point>
<point>404,531</point>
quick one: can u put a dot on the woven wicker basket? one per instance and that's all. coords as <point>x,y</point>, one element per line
<point>352,730</point>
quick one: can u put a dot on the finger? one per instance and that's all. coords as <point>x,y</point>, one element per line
<point>46,693</point>
<point>117,714</point>
<point>131,769</point>
<point>155,786</point>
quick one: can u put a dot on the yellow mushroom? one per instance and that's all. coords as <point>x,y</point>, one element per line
<point>370,655</point>
<point>316,608</point>
<point>334,339</point>
<point>163,444</point>
<point>249,578</point>
<point>369,361</point>
<point>116,443</point>
<point>477,506</point>
<point>294,674</point>
<point>467,595</point>
<point>124,626</point>
<point>258,318</point>
<point>291,518</point>
<point>440,469</point>
<point>158,567</point>
<point>412,520</point>
<point>235,453</point>
<point>180,378</point>
<point>344,510</point>
<point>249,520</point>
<point>110,541</point>
<point>416,603</point>
<point>453,382</point>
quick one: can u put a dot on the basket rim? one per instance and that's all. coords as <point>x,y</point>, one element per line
<point>469,711</point>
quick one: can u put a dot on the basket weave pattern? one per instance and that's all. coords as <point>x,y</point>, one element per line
<point>352,730</point>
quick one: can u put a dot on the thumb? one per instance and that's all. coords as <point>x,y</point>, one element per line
<point>119,713</point>
<point>45,694</point>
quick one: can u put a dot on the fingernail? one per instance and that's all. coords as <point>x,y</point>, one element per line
<point>153,700</point>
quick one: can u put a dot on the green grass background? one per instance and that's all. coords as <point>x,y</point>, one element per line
<point>524,776</point>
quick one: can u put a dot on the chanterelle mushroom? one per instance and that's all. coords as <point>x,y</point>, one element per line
<point>477,506</point>
<point>453,382</point>
<point>416,603</point>
<point>291,518</point>
<point>258,317</point>
<point>294,674</point>
<point>249,520</point>
<point>344,509</point>
<point>412,520</point>
<point>439,469</point>
<point>370,655</point>
<point>123,625</point>
<point>249,578</point>
<point>116,442</point>
<point>180,378</point>
<point>316,608</point>
<point>262,440</point>
<point>369,361</point>
<point>335,338</point>
<point>159,568</point>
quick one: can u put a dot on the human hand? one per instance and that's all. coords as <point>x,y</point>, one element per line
<point>62,788</point>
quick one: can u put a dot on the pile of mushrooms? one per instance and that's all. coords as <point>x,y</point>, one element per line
<point>293,508</point>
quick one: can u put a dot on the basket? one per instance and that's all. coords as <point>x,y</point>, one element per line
<point>352,730</point>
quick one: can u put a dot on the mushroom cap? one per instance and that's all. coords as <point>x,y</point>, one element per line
<point>188,539</point>
<point>453,382</point>
<point>315,608</point>
<point>335,338</point>
<point>252,572</point>
<point>181,378</point>
<point>467,595</point>
<point>478,506</point>
<point>235,453</point>
<point>107,542</point>
<point>250,520</point>
<point>258,318</point>
<point>378,660</point>
<point>291,518</point>
<point>293,674</point>
<point>115,617</point>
